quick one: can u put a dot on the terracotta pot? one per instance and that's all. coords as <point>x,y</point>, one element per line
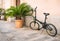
<point>19,23</point>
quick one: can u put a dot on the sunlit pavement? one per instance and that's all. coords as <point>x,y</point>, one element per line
<point>8,32</point>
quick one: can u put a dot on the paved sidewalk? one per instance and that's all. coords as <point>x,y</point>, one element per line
<point>10,33</point>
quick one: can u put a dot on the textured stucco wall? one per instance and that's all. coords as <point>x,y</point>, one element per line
<point>7,3</point>
<point>50,6</point>
<point>1,3</point>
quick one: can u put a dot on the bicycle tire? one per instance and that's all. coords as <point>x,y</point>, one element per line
<point>49,28</point>
<point>35,26</point>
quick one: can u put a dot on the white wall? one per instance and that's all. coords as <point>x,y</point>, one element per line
<point>50,6</point>
<point>1,3</point>
<point>8,3</point>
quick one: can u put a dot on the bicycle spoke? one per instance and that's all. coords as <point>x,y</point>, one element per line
<point>51,30</point>
<point>34,25</point>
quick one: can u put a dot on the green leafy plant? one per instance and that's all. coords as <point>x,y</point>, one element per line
<point>2,11</point>
<point>19,11</point>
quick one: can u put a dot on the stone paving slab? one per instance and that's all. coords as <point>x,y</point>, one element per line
<point>23,34</point>
<point>27,35</point>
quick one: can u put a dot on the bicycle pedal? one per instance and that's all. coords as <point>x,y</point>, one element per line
<point>39,29</point>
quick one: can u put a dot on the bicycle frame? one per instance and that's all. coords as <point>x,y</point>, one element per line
<point>43,23</point>
<point>48,26</point>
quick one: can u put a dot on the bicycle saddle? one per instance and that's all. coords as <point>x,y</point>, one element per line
<point>46,14</point>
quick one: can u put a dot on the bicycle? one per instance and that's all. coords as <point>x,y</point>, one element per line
<point>50,28</point>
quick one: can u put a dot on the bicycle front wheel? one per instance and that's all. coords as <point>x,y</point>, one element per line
<point>34,25</point>
<point>51,30</point>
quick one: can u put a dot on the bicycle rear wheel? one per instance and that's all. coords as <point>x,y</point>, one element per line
<point>51,30</point>
<point>34,25</point>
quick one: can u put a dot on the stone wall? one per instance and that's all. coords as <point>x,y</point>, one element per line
<point>7,3</point>
<point>50,6</point>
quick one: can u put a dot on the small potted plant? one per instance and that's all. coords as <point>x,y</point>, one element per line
<point>19,12</point>
<point>2,12</point>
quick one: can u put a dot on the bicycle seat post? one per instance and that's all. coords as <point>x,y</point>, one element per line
<point>46,14</point>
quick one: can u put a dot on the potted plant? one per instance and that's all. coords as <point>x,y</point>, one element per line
<point>2,12</point>
<point>19,12</point>
<point>9,15</point>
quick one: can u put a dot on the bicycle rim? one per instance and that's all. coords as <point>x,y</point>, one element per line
<point>51,30</point>
<point>34,25</point>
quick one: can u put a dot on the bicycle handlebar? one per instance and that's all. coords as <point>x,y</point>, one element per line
<point>35,8</point>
